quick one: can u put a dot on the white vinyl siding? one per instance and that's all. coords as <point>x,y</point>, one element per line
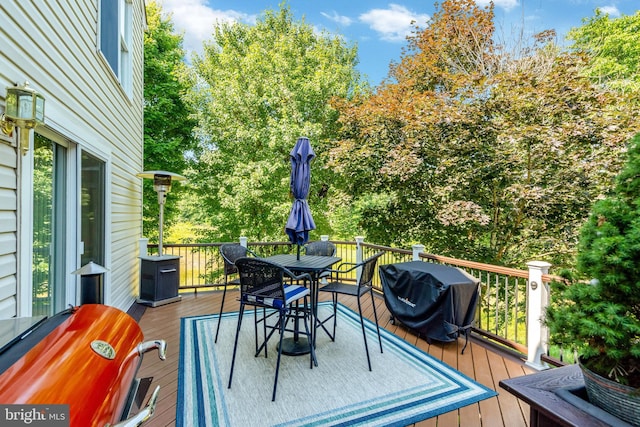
<point>8,230</point>
<point>54,45</point>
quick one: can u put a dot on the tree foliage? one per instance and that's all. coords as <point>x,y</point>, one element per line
<point>614,48</point>
<point>259,88</point>
<point>600,316</point>
<point>480,153</point>
<point>167,123</point>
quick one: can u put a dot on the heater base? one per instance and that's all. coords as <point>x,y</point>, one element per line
<point>159,280</point>
<point>158,303</point>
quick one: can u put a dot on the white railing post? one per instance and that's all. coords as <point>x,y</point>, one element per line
<point>417,250</point>
<point>537,301</point>
<point>243,241</point>
<point>143,244</point>
<point>359,256</point>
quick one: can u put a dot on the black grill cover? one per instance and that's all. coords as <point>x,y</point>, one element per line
<point>436,300</point>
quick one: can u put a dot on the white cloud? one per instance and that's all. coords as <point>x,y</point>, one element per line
<point>195,20</point>
<point>612,11</point>
<point>340,19</point>
<point>394,23</point>
<point>504,4</point>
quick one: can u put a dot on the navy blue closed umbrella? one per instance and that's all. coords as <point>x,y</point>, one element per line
<point>300,221</point>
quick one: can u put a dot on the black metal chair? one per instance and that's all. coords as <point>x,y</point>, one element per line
<point>321,248</point>
<point>230,253</point>
<point>262,285</point>
<point>363,286</point>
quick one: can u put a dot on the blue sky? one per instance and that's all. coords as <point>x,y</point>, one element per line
<point>379,27</point>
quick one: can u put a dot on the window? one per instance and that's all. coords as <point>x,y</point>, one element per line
<point>109,32</point>
<point>115,38</point>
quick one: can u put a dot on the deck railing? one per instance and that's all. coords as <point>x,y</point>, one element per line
<point>509,310</point>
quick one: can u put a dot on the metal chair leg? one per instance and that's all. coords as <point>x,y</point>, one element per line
<point>375,316</point>
<point>235,345</point>
<point>259,345</point>
<point>268,336</point>
<point>224,294</point>
<point>313,360</point>
<point>335,314</point>
<point>282,322</point>
<point>364,333</point>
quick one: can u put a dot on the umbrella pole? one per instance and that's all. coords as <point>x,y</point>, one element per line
<point>298,251</point>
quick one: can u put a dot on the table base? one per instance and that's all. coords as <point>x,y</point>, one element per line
<point>295,347</point>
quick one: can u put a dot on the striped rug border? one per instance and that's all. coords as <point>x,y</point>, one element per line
<point>455,389</point>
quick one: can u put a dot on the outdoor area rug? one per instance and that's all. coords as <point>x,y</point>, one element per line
<point>406,385</point>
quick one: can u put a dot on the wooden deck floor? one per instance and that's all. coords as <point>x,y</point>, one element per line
<point>480,362</point>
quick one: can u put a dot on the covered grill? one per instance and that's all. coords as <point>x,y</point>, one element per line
<point>86,357</point>
<point>435,300</point>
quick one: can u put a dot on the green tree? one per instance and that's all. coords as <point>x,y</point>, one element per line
<point>478,152</point>
<point>260,87</point>
<point>614,48</point>
<point>598,315</point>
<point>168,126</point>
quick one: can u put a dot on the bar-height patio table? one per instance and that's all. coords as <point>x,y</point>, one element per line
<point>314,265</point>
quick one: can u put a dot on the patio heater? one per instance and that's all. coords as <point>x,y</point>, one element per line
<point>160,274</point>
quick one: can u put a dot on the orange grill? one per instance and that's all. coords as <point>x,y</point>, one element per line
<point>88,361</point>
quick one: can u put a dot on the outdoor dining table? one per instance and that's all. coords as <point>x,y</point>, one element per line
<point>314,265</point>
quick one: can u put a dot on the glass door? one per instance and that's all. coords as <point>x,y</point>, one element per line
<point>49,226</point>
<point>92,209</point>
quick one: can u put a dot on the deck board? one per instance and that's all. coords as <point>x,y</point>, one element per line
<point>470,414</point>
<point>480,362</point>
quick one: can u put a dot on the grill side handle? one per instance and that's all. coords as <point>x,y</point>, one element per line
<point>147,346</point>
<point>138,389</point>
<point>142,416</point>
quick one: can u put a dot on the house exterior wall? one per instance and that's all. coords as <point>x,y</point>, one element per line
<point>54,45</point>
<point>8,228</point>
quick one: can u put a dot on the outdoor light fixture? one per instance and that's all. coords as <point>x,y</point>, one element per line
<point>24,108</point>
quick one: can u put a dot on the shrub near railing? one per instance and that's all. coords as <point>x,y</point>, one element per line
<point>501,314</point>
